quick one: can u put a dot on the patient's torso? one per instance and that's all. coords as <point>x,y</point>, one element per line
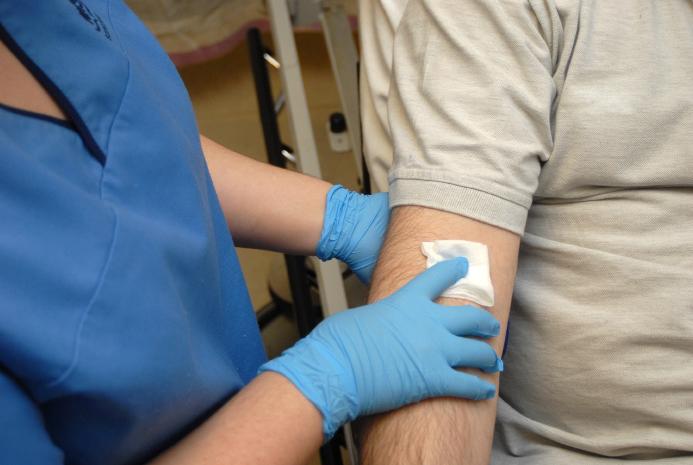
<point>600,360</point>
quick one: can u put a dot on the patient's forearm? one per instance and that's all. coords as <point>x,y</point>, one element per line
<point>439,431</point>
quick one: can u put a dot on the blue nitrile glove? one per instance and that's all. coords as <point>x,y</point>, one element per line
<point>353,229</point>
<point>399,350</point>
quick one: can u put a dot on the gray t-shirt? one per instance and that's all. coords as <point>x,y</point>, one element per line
<point>570,122</point>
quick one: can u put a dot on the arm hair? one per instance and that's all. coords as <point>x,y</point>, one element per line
<point>437,431</point>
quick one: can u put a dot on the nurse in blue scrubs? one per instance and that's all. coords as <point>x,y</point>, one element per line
<point>126,331</point>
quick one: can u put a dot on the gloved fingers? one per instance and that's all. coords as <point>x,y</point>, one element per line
<point>432,282</point>
<point>458,384</point>
<point>467,320</point>
<point>471,353</point>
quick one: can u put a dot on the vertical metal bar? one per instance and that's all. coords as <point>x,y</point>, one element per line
<point>330,282</point>
<point>292,83</point>
<point>345,67</point>
<point>265,101</point>
<point>330,454</point>
<point>295,265</point>
<point>344,59</point>
<point>300,293</point>
<point>351,444</point>
<point>332,295</point>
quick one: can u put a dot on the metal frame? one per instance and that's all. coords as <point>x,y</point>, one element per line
<point>307,315</point>
<point>332,295</point>
<point>345,66</point>
<point>344,60</point>
<point>277,155</point>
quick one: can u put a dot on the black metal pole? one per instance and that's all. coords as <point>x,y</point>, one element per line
<point>265,101</point>
<point>295,265</point>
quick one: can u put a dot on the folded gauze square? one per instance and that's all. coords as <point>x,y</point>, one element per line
<point>476,286</point>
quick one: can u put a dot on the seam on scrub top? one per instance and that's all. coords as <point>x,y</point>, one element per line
<point>116,34</point>
<point>97,290</point>
<point>65,124</point>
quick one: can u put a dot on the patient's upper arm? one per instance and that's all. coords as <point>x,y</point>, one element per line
<point>470,108</point>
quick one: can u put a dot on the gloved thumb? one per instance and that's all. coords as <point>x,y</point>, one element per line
<point>435,280</point>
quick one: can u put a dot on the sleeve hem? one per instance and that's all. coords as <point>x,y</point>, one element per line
<point>462,200</point>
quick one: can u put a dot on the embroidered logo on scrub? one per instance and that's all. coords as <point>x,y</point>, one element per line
<point>92,18</point>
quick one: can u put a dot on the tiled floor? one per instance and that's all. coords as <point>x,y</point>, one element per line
<point>223,95</point>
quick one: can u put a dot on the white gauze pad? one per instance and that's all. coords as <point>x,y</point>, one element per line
<point>476,286</point>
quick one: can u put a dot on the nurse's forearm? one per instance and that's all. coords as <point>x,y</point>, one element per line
<point>268,423</point>
<point>266,207</point>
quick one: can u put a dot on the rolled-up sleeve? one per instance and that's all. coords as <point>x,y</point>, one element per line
<point>470,106</point>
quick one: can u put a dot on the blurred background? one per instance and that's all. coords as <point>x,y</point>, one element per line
<point>206,40</point>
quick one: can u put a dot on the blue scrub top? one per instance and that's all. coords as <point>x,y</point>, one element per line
<point>124,318</point>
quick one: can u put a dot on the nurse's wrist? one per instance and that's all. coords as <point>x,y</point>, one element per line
<point>332,233</point>
<point>283,386</point>
<point>354,228</point>
<point>314,371</point>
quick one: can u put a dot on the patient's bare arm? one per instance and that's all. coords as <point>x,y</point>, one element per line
<point>439,431</point>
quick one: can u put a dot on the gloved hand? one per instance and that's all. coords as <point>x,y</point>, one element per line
<point>399,350</point>
<point>353,229</point>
